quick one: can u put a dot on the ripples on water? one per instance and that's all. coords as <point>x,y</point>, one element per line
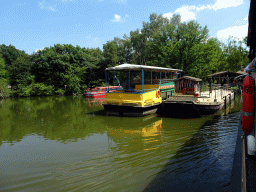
<point>67,144</point>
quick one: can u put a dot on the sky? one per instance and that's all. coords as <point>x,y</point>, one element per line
<point>31,25</point>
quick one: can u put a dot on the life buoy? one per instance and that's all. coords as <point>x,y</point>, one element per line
<point>248,104</point>
<point>157,93</point>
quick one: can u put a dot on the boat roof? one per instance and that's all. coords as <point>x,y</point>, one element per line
<point>134,67</point>
<point>189,77</point>
<point>217,74</point>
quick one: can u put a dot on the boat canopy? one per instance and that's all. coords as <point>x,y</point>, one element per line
<point>189,77</point>
<point>133,67</point>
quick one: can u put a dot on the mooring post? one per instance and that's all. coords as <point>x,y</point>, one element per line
<point>221,91</point>
<point>225,101</point>
<point>230,98</point>
<point>215,91</point>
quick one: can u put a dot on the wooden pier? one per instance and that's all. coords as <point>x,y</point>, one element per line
<point>208,102</point>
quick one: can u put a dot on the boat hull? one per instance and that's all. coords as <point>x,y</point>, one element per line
<point>187,109</point>
<point>134,111</point>
<point>208,109</point>
<point>95,95</point>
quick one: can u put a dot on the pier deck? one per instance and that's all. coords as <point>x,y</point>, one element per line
<point>185,106</point>
<point>205,97</point>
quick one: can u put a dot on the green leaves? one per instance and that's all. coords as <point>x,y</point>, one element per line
<point>110,52</point>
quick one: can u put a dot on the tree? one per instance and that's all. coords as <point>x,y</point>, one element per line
<point>4,91</point>
<point>235,54</point>
<point>110,52</point>
<point>62,65</point>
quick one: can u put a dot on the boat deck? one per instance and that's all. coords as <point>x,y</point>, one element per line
<point>205,97</point>
<point>188,106</point>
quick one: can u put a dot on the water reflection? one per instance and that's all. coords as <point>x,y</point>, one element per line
<point>143,137</point>
<point>57,118</point>
<point>62,143</point>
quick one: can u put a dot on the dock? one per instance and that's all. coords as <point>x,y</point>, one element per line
<point>208,102</point>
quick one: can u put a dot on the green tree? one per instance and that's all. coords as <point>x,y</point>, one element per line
<point>4,91</point>
<point>110,52</point>
<point>235,54</point>
<point>62,66</point>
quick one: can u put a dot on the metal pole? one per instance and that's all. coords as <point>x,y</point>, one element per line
<point>151,80</point>
<point>160,78</point>
<point>129,81</point>
<point>108,81</point>
<point>114,79</point>
<point>105,77</point>
<point>199,89</point>
<point>142,80</point>
<point>215,91</point>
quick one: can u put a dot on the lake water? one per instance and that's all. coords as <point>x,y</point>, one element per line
<point>68,144</point>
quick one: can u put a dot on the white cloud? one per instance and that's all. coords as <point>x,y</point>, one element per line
<point>185,13</point>
<point>236,31</point>
<point>168,15</point>
<point>220,4</point>
<point>189,12</point>
<point>242,21</point>
<point>246,18</point>
<point>44,5</point>
<point>118,18</point>
<point>39,50</point>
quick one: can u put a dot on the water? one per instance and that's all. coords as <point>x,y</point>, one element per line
<point>68,144</point>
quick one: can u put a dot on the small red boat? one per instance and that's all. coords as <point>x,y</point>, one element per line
<point>100,92</point>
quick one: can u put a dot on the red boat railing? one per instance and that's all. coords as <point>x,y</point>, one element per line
<point>103,89</point>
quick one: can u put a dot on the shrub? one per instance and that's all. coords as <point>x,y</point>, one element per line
<point>60,92</point>
<point>4,91</point>
<point>41,89</point>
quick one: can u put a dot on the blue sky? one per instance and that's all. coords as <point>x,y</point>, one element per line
<point>30,25</point>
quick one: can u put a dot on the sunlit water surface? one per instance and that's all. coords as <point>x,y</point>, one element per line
<point>68,144</point>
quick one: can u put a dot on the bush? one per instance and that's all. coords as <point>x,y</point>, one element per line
<point>60,92</point>
<point>4,91</point>
<point>22,90</point>
<point>235,88</point>
<point>41,89</point>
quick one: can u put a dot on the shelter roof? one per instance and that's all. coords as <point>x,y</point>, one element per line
<point>242,72</point>
<point>133,67</point>
<point>221,73</point>
<point>189,77</point>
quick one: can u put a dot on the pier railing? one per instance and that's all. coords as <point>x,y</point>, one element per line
<point>215,90</point>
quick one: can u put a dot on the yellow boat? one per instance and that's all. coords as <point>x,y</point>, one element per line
<point>141,95</point>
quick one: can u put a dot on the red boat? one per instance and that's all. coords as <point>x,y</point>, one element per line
<point>100,92</point>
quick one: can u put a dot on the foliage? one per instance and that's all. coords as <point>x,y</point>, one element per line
<point>110,52</point>
<point>235,88</point>
<point>160,42</point>
<point>4,90</point>
<point>2,67</point>
<point>60,92</point>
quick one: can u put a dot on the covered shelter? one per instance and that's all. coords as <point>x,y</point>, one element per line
<point>187,85</point>
<point>146,84</point>
<point>225,77</point>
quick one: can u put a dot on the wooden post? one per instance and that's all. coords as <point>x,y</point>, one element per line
<point>225,101</point>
